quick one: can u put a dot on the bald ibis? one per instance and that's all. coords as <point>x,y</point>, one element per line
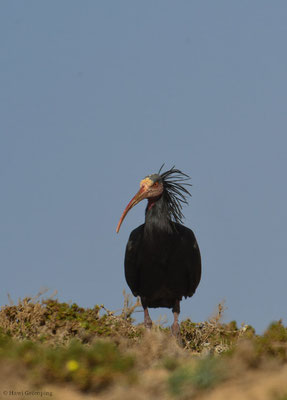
<point>162,259</point>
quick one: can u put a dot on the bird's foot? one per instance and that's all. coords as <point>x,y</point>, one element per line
<point>148,323</point>
<point>147,319</point>
<point>175,331</point>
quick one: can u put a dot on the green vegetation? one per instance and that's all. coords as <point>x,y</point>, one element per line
<point>95,351</point>
<point>273,343</point>
<point>54,322</point>
<point>200,374</point>
<point>92,367</point>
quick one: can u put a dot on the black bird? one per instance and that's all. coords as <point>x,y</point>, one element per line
<point>162,259</point>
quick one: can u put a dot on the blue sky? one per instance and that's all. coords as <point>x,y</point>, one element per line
<point>95,96</point>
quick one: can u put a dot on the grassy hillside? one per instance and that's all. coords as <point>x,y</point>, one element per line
<point>59,350</point>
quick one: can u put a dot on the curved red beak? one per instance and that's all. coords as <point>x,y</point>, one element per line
<point>141,194</point>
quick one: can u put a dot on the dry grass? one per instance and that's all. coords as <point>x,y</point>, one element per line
<point>45,343</point>
<point>48,321</point>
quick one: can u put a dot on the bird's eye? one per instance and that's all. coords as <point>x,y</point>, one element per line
<point>155,184</point>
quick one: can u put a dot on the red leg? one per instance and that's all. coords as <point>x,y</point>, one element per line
<point>175,329</point>
<point>147,319</point>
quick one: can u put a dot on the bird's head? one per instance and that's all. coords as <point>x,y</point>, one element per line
<point>150,187</point>
<point>153,186</point>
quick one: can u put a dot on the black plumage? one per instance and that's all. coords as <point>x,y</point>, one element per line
<point>162,259</point>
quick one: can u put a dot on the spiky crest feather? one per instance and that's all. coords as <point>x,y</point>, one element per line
<point>175,191</point>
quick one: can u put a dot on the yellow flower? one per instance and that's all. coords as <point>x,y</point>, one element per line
<point>72,365</point>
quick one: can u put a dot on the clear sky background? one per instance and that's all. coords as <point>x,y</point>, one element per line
<point>96,95</point>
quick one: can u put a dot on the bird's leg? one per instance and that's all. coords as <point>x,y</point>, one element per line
<point>147,319</point>
<point>175,326</point>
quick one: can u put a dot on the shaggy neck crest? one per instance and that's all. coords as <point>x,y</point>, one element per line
<point>175,192</point>
<point>160,212</point>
